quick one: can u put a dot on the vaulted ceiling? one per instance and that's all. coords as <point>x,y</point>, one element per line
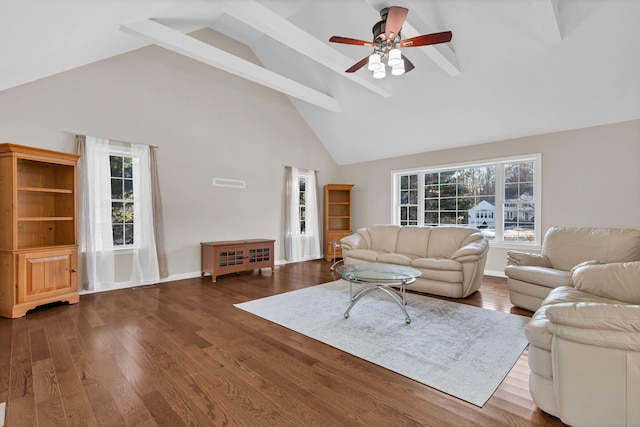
<point>513,68</point>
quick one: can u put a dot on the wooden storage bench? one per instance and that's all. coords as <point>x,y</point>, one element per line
<point>234,256</point>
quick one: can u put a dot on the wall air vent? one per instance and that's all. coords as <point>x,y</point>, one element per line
<point>223,182</point>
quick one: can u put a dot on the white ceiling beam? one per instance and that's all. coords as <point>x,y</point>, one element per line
<point>183,44</point>
<point>546,13</point>
<point>441,54</point>
<point>280,29</point>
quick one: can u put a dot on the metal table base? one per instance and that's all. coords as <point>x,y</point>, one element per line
<point>398,296</point>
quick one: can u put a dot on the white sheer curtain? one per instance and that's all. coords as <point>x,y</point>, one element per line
<point>298,246</point>
<point>144,270</point>
<point>97,253</point>
<point>313,222</point>
<point>96,238</point>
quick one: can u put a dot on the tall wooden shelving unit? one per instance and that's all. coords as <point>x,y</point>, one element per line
<point>38,243</point>
<point>337,216</point>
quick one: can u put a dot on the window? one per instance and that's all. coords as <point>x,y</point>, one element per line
<point>302,231</point>
<point>302,204</point>
<point>468,194</point>
<point>122,203</point>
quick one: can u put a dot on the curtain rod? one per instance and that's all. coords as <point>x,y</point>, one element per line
<point>304,169</point>
<point>112,140</point>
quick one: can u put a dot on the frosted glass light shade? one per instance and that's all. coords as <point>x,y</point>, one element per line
<point>374,62</point>
<point>395,57</point>
<point>380,73</point>
<point>398,70</point>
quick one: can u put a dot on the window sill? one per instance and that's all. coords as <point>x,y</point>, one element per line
<point>516,246</point>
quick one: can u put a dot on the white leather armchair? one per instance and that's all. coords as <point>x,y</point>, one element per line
<point>584,351</point>
<point>531,276</point>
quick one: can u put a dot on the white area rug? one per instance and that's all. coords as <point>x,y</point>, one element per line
<point>458,349</point>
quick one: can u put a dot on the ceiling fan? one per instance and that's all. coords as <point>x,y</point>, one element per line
<point>387,42</point>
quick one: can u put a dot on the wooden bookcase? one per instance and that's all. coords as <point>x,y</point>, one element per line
<point>38,243</point>
<point>337,216</point>
<point>234,256</point>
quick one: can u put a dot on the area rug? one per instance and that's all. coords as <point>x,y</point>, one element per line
<point>458,349</point>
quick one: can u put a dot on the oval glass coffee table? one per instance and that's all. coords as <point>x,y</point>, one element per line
<point>384,277</point>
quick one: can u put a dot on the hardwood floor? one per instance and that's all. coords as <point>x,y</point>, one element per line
<point>180,354</point>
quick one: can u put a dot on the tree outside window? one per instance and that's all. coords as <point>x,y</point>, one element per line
<point>469,195</point>
<point>302,186</point>
<point>122,200</point>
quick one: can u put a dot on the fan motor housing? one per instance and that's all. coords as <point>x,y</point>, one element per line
<point>379,28</point>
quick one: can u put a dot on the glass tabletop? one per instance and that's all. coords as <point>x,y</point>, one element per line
<point>378,272</point>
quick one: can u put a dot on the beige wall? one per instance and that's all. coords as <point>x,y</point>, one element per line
<point>206,123</point>
<point>209,124</point>
<point>590,177</point>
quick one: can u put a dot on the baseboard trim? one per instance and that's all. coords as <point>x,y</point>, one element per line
<point>495,273</point>
<point>194,274</point>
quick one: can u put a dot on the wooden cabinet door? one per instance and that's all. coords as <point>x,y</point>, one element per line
<point>229,259</point>
<point>46,274</point>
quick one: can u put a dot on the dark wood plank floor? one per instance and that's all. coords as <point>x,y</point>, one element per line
<point>180,354</point>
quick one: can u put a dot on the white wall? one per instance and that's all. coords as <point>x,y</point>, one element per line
<point>590,177</point>
<point>206,123</point>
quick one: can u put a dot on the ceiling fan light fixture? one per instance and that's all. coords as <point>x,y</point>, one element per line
<point>395,57</point>
<point>380,73</point>
<point>398,70</point>
<point>375,62</point>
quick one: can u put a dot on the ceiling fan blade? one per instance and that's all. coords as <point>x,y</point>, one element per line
<point>427,39</point>
<point>395,20</point>
<point>358,65</point>
<point>408,66</point>
<point>347,40</point>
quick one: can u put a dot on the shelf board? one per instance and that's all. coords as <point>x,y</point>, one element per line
<point>46,190</point>
<point>45,218</point>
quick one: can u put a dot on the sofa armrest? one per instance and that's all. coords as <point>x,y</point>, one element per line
<point>471,251</point>
<point>528,259</point>
<point>618,281</point>
<point>354,241</point>
<point>597,324</point>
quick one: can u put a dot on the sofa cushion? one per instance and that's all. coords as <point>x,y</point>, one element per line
<point>446,276</point>
<point>436,264</point>
<point>368,255</point>
<point>394,258</point>
<point>619,281</point>
<point>444,241</point>
<point>413,239</point>
<point>548,277</point>
<point>566,247</point>
<point>384,237</point>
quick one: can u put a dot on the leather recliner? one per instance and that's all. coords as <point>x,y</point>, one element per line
<point>531,276</point>
<point>584,351</point>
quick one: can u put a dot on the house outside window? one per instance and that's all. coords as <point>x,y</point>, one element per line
<point>468,194</point>
<point>122,203</point>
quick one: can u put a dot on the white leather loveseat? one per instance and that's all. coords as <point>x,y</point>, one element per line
<point>584,350</point>
<point>530,276</point>
<point>451,259</point>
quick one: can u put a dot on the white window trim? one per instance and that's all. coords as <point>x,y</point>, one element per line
<point>499,197</point>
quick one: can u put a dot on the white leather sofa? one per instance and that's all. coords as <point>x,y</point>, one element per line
<point>451,259</point>
<point>530,276</point>
<point>584,350</point>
